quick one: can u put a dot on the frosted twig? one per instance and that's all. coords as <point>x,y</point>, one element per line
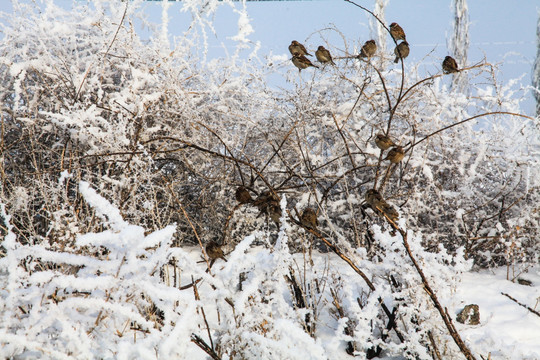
<point>345,258</point>
<point>429,290</point>
<point>522,305</point>
<point>106,52</point>
<point>469,119</point>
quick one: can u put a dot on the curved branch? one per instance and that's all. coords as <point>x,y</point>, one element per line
<point>468,119</point>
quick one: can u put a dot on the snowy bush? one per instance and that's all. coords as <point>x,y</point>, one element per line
<point>165,137</point>
<point>112,297</point>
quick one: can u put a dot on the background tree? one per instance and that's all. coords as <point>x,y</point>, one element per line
<point>458,42</point>
<point>378,32</point>
<point>536,69</point>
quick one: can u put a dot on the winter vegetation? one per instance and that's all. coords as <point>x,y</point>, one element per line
<point>122,158</point>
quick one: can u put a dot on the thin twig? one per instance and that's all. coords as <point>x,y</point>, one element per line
<point>436,353</point>
<point>523,305</point>
<point>198,298</point>
<point>204,346</point>
<point>184,212</point>
<point>344,257</point>
<point>106,52</point>
<point>469,119</point>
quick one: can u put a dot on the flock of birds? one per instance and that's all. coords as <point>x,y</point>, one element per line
<point>396,154</point>
<point>369,49</point>
<point>268,201</point>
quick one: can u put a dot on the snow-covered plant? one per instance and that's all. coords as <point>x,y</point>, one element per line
<point>104,299</point>
<point>114,296</point>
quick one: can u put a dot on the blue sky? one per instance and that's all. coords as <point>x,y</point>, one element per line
<point>503,31</point>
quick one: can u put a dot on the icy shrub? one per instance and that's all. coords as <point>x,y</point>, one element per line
<point>123,293</point>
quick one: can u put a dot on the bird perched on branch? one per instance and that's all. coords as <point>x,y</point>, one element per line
<point>268,203</point>
<point>397,32</point>
<point>374,199</point>
<point>243,196</point>
<point>395,155</point>
<point>298,49</point>
<point>383,142</point>
<point>274,211</point>
<point>309,219</point>
<point>302,62</point>
<point>214,251</point>
<point>401,51</point>
<point>449,65</point>
<point>266,197</point>
<point>368,49</point>
<point>389,211</point>
<point>379,205</point>
<point>324,56</point>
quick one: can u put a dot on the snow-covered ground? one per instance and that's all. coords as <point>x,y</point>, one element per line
<point>506,330</point>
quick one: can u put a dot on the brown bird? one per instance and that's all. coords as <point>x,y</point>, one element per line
<point>395,155</point>
<point>266,197</point>
<point>389,211</point>
<point>374,199</point>
<point>397,32</point>
<point>368,49</point>
<point>298,49</point>
<point>309,219</point>
<point>324,56</point>
<point>379,205</point>
<point>243,196</point>
<point>383,142</point>
<point>214,251</point>
<point>302,62</point>
<point>401,51</point>
<point>449,65</point>
<point>268,204</point>
<point>275,213</point>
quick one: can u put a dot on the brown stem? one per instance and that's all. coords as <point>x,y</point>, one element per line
<point>523,305</point>
<point>204,346</point>
<point>469,119</point>
<point>370,284</point>
<point>433,296</point>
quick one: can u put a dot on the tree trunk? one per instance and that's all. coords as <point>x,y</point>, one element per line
<point>459,43</point>
<point>378,32</point>
<point>536,69</point>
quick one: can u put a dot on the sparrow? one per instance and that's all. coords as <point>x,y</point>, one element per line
<point>368,49</point>
<point>449,65</point>
<point>389,211</point>
<point>397,32</point>
<point>401,51</point>
<point>274,210</point>
<point>309,219</point>
<point>268,203</point>
<point>302,62</point>
<point>374,199</point>
<point>395,155</point>
<point>378,204</point>
<point>383,142</point>
<point>243,196</point>
<point>298,49</point>
<point>214,251</point>
<point>266,197</point>
<point>323,55</point>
